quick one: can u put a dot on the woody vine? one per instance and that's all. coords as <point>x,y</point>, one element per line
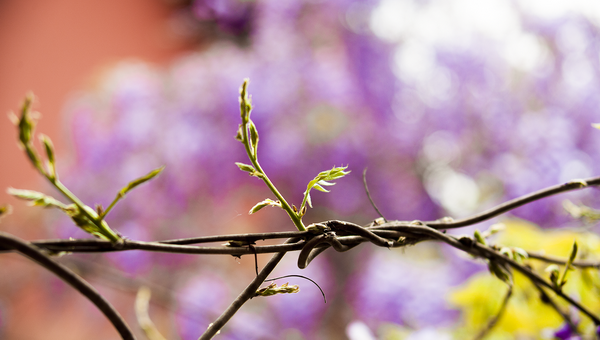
<point>309,241</point>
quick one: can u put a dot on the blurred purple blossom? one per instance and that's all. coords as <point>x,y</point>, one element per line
<point>451,111</point>
<point>566,333</point>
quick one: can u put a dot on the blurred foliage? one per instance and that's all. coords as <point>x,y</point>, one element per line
<point>479,298</point>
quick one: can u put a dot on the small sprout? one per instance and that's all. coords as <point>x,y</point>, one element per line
<point>49,147</point>
<point>239,135</point>
<point>500,272</point>
<point>554,272</point>
<point>272,289</point>
<point>245,102</point>
<point>519,254</point>
<point>249,169</point>
<point>445,219</point>
<point>479,238</point>
<point>379,221</point>
<point>572,257</point>
<point>318,228</point>
<point>303,211</point>
<point>581,183</point>
<point>237,244</point>
<point>493,229</point>
<point>5,210</point>
<point>466,241</point>
<point>506,251</point>
<point>253,138</point>
<point>82,221</point>
<point>262,204</point>
<point>26,123</point>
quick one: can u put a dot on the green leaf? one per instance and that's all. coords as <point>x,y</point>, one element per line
<point>27,121</point>
<point>519,254</point>
<point>245,102</point>
<point>36,198</point>
<point>253,138</point>
<point>323,179</point>
<point>500,272</point>
<point>479,238</point>
<point>554,272</point>
<point>245,167</point>
<point>102,213</point>
<point>262,204</point>
<point>572,257</point>
<point>239,135</point>
<point>141,180</point>
<point>49,147</point>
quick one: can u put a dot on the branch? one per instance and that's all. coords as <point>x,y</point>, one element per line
<point>15,244</point>
<point>558,260</point>
<point>515,203</point>
<point>495,319</point>
<point>547,299</point>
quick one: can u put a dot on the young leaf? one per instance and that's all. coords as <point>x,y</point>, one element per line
<point>49,147</point>
<point>263,204</point>
<point>519,254</point>
<point>245,167</point>
<point>323,179</point>
<point>479,238</point>
<point>249,169</point>
<point>5,210</point>
<point>26,122</point>
<point>141,180</point>
<point>36,198</point>
<point>500,272</point>
<point>130,187</point>
<point>554,272</point>
<point>245,102</point>
<point>572,257</point>
<point>272,289</point>
<point>253,138</point>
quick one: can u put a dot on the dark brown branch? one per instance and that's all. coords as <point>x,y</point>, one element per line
<point>492,254</point>
<point>15,244</point>
<point>515,203</point>
<point>558,260</point>
<point>547,299</point>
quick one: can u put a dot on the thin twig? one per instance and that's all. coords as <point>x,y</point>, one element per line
<point>515,203</point>
<point>495,319</point>
<point>558,260</point>
<point>369,195</point>
<point>547,299</point>
<point>245,295</point>
<point>490,253</point>
<point>65,274</point>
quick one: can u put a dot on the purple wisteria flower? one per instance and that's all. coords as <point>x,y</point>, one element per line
<point>451,113</point>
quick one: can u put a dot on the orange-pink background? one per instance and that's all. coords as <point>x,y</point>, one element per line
<point>53,48</point>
